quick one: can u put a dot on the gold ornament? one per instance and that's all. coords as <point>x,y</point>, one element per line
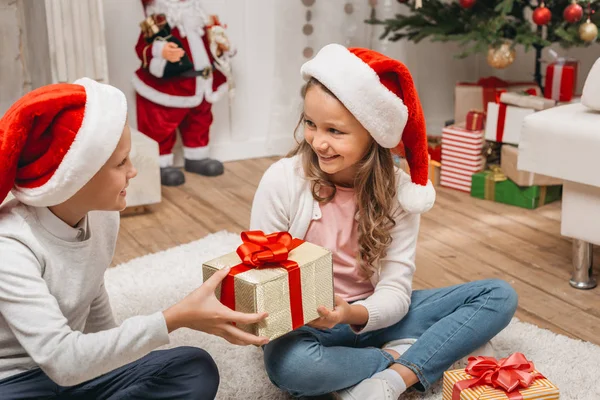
<point>588,31</point>
<point>502,56</point>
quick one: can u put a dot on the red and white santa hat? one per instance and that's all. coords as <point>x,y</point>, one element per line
<point>380,93</point>
<point>56,138</point>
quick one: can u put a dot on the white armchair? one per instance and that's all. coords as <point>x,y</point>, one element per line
<point>564,142</point>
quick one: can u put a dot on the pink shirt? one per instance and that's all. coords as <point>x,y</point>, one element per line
<point>337,231</point>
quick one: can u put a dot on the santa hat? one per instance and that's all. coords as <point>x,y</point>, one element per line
<point>56,138</point>
<point>380,93</point>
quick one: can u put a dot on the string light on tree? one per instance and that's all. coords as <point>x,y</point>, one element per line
<point>542,15</point>
<point>573,13</point>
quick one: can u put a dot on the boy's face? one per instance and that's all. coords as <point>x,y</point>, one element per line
<point>106,191</point>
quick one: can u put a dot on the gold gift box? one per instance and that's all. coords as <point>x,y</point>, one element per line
<point>540,389</point>
<point>267,289</point>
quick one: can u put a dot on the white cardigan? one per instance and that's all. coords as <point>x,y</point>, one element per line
<point>284,202</point>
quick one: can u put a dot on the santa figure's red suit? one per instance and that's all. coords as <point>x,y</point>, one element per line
<point>165,104</point>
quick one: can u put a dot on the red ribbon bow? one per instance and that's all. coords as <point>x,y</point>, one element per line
<point>259,251</point>
<point>509,374</point>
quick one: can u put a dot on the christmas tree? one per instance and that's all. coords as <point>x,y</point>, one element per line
<point>489,25</point>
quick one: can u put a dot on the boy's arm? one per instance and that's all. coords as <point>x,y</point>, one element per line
<point>68,357</point>
<point>101,316</point>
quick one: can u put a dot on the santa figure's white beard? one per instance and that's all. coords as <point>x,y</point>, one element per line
<point>185,15</point>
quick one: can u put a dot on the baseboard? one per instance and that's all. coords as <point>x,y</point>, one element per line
<point>244,150</point>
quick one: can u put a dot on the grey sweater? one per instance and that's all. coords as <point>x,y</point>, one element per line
<point>54,310</point>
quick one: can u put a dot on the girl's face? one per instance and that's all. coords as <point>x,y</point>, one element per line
<point>107,189</point>
<point>338,139</point>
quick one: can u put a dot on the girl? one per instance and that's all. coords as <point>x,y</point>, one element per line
<point>64,152</point>
<point>339,189</point>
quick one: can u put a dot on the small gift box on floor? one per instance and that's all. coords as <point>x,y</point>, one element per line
<point>510,155</point>
<point>434,147</point>
<point>485,378</point>
<point>461,156</point>
<point>495,186</point>
<point>285,277</point>
<point>475,120</point>
<point>561,78</point>
<point>476,95</point>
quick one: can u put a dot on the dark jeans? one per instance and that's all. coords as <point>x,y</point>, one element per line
<point>179,373</point>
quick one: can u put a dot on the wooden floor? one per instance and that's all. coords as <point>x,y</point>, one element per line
<point>461,239</point>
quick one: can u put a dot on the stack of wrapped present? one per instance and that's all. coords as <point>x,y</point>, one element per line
<point>506,105</point>
<point>504,183</point>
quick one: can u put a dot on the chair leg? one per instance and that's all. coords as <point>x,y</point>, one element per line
<point>582,265</point>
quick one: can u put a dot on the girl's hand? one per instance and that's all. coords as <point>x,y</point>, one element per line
<point>329,319</point>
<point>202,311</point>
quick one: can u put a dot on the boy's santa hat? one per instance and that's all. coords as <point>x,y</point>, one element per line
<point>380,93</point>
<point>56,138</point>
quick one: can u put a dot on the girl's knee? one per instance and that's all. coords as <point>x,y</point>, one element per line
<point>505,295</point>
<point>291,359</point>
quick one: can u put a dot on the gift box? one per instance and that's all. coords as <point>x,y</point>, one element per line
<point>493,185</point>
<point>504,122</point>
<point>486,378</point>
<point>475,120</point>
<point>537,103</point>
<point>510,155</point>
<point>434,147</point>
<point>434,168</point>
<point>434,172</point>
<point>561,79</point>
<point>476,95</point>
<point>461,156</point>
<point>285,277</point>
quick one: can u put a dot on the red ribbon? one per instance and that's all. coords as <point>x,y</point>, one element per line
<point>509,374</point>
<point>259,251</point>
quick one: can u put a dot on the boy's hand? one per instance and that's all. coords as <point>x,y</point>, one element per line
<point>328,319</point>
<point>202,311</point>
<point>172,53</point>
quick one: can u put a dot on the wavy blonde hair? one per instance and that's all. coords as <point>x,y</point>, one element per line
<point>374,188</point>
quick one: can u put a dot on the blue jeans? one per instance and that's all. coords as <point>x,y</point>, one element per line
<point>180,373</point>
<point>448,323</point>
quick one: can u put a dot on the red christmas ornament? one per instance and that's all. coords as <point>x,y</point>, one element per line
<point>467,3</point>
<point>573,13</point>
<point>542,15</point>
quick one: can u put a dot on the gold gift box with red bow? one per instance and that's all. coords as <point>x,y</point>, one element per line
<point>286,277</point>
<point>486,378</point>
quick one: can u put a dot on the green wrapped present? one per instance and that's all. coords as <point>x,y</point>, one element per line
<point>493,185</point>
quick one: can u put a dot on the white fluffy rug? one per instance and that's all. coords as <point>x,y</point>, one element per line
<point>154,282</point>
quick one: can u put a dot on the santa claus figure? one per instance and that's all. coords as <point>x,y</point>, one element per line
<point>184,57</point>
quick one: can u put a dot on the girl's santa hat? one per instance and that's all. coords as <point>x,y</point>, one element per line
<point>380,93</point>
<point>56,138</point>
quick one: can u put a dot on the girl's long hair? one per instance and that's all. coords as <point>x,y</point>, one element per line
<point>374,188</point>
